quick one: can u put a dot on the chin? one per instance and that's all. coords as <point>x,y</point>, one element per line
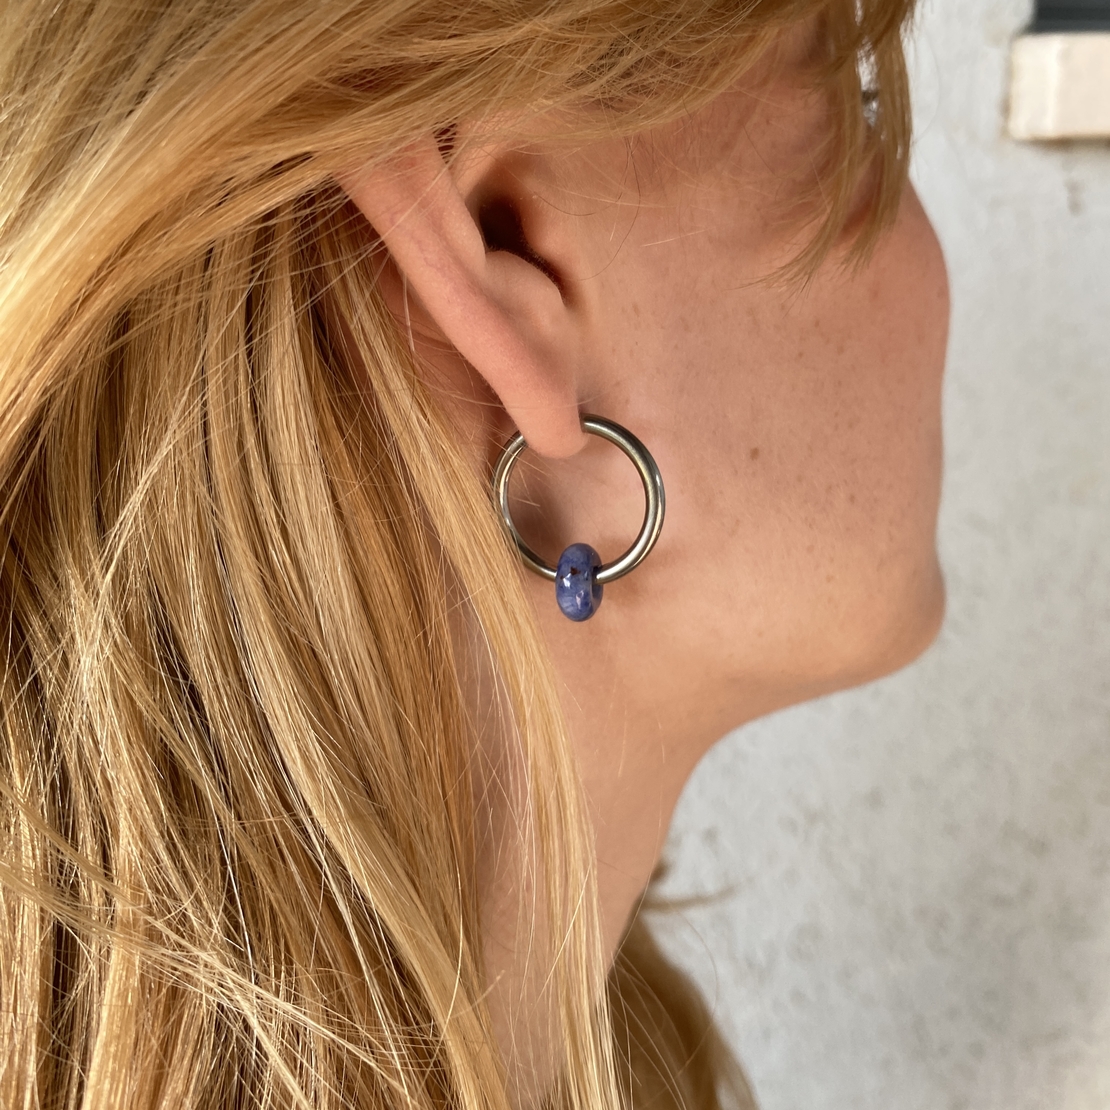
<point>897,629</point>
<point>878,631</point>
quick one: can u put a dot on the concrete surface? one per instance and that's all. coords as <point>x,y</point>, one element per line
<point>912,880</point>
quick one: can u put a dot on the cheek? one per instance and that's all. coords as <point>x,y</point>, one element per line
<point>804,454</point>
<point>851,459</point>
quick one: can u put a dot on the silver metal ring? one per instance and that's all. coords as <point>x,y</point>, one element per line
<point>653,493</point>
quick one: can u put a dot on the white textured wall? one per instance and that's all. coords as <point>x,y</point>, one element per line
<point>914,877</point>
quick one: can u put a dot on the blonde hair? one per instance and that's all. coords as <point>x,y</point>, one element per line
<point>238,820</point>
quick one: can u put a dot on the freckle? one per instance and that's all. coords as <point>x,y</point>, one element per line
<point>635,308</point>
<point>828,578</point>
<point>809,550</point>
<point>753,454</point>
<point>851,499</point>
<point>828,490</point>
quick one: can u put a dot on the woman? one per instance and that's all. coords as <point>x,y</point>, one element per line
<point>312,796</point>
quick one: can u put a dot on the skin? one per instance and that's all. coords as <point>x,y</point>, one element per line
<point>797,428</point>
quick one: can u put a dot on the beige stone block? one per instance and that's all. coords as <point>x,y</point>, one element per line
<point>1060,86</point>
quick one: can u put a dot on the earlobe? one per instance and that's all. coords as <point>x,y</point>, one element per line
<point>502,309</point>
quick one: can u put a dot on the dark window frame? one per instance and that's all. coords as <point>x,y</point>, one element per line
<point>1071,15</point>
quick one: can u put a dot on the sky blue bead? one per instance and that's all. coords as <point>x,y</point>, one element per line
<point>576,590</point>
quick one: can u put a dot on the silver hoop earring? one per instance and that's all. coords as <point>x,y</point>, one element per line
<point>580,574</point>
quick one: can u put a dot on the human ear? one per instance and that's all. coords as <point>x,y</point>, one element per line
<point>502,309</point>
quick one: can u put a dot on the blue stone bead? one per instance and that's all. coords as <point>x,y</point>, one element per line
<point>576,589</point>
